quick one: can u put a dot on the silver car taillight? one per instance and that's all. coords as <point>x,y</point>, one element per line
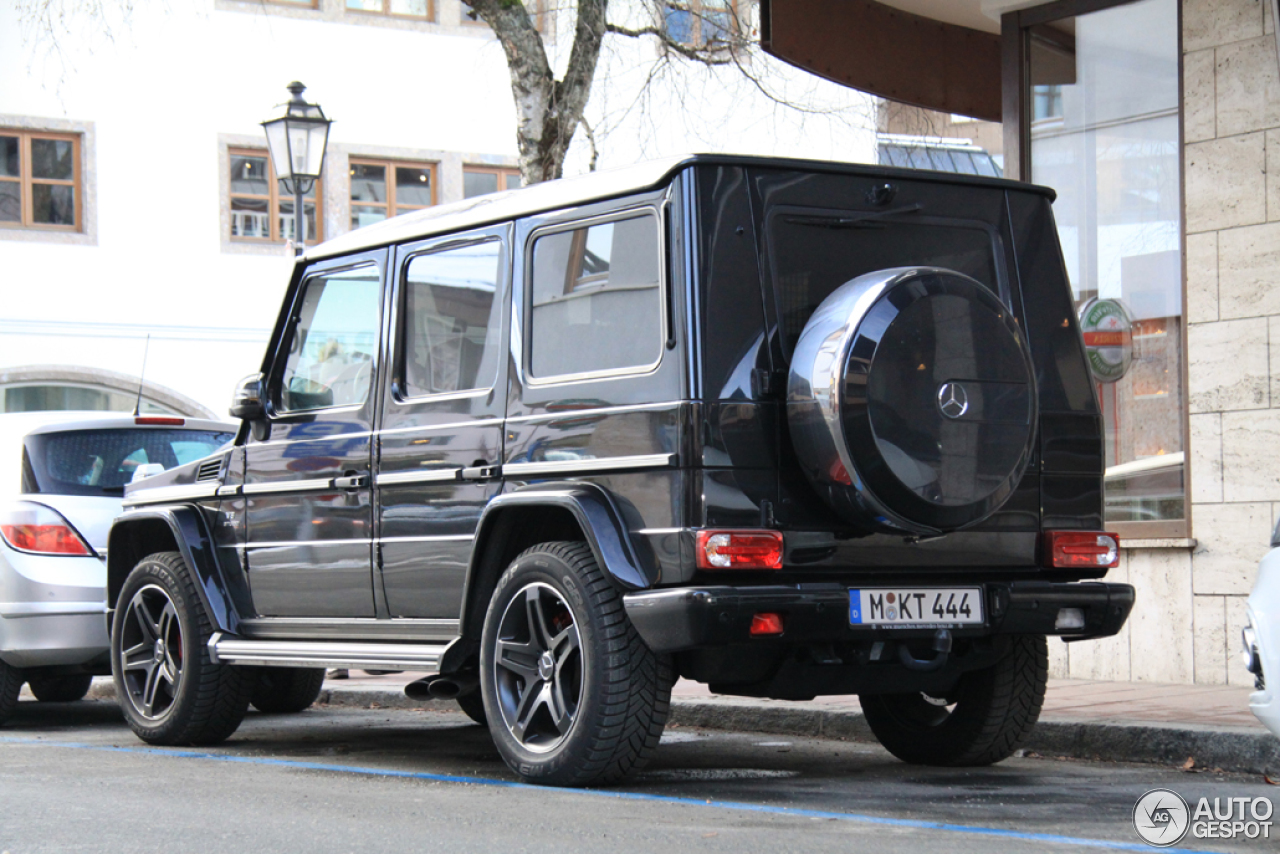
<point>34,528</point>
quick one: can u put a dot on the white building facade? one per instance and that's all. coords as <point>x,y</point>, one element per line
<point>138,211</point>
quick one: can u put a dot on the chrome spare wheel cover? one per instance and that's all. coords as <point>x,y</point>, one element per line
<point>151,652</point>
<point>912,401</point>
<point>538,667</point>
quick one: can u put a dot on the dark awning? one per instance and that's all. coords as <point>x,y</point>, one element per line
<point>897,55</point>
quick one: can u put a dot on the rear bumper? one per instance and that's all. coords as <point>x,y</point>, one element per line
<point>684,618</point>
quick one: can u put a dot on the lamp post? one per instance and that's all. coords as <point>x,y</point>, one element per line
<point>297,141</point>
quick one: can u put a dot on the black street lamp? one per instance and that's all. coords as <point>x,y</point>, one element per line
<point>297,141</point>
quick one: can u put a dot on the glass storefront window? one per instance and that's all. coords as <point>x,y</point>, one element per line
<point>1104,134</point>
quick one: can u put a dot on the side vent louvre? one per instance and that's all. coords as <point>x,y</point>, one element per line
<point>209,470</point>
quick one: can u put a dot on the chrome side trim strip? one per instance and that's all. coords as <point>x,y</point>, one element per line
<point>443,538</point>
<point>378,656</point>
<point>602,410</point>
<point>330,438</point>
<point>601,464</point>
<point>432,428</point>
<point>281,544</point>
<point>320,484</point>
<point>425,476</point>
<point>224,491</point>
<point>659,531</point>
<point>183,492</point>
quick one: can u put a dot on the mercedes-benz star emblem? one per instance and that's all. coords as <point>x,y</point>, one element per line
<point>953,400</point>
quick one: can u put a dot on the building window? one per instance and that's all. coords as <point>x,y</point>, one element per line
<point>302,4</point>
<point>701,23</point>
<point>481,180</point>
<point>385,188</point>
<point>262,209</point>
<point>40,182</point>
<point>1103,117</point>
<point>421,9</point>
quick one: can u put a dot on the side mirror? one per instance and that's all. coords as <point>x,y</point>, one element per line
<point>246,402</point>
<point>146,470</point>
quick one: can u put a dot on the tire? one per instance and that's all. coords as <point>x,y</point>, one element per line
<point>168,697</point>
<point>556,626</point>
<point>983,719</point>
<point>11,680</point>
<point>285,690</point>
<point>60,689</point>
<point>472,706</point>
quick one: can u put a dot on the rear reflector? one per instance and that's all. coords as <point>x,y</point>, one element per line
<point>750,549</point>
<point>766,624</point>
<point>160,420</point>
<point>36,528</point>
<point>1081,550</point>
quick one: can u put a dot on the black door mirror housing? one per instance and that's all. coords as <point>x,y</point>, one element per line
<point>246,402</point>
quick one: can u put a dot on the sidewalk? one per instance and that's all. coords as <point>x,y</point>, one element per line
<point>1082,719</point>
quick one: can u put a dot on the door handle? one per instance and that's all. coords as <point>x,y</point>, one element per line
<point>353,481</point>
<point>481,472</point>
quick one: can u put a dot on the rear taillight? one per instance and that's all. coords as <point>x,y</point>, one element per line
<point>744,549</point>
<point>35,528</point>
<point>1081,550</point>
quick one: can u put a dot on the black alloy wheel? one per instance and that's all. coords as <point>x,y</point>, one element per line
<point>151,652</point>
<point>538,664</point>
<point>979,722</point>
<point>170,691</point>
<point>572,695</point>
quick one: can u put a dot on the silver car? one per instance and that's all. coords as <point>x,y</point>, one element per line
<point>62,479</point>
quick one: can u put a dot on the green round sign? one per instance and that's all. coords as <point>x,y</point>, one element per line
<point>1108,338</point>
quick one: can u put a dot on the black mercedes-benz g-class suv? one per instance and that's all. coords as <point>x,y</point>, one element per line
<point>788,428</point>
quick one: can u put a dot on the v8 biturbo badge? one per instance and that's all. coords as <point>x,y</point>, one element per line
<point>1108,338</point>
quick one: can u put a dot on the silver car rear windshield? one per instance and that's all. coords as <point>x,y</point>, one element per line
<point>813,251</point>
<point>101,462</point>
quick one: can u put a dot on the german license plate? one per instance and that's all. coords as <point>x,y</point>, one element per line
<point>922,607</point>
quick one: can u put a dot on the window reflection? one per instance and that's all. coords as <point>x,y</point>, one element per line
<point>1105,136</point>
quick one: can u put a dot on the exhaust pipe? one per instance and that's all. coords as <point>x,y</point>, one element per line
<point>442,687</point>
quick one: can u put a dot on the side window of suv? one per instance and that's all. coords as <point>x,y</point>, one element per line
<point>330,360</point>
<point>452,320</point>
<point>597,299</point>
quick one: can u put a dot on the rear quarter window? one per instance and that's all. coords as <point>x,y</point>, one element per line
<point>597,302</point>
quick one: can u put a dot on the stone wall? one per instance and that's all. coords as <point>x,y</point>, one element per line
<point>1186,625</point>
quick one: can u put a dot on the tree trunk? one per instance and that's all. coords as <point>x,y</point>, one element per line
<point>547,110</point>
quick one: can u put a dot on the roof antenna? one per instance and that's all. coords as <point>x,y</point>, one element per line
<point>137,407</point>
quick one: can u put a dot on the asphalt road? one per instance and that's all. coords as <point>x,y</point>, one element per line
<point>73,778</point>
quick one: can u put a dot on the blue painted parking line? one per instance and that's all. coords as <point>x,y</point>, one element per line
<point>740,806</point>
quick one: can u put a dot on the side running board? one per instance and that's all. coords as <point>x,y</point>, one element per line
<point>363,656</point>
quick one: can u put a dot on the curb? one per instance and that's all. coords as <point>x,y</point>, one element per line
<point>1236,749</point>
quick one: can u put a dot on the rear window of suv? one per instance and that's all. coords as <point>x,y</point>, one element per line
<point>816,250</point>
<point>101,462</point>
